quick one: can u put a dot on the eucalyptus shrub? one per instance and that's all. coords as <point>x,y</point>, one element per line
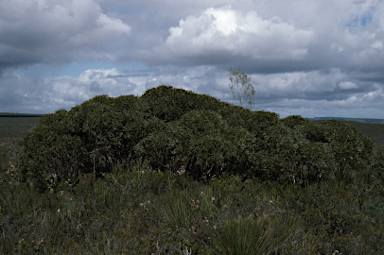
<point>296,150</point>
<point>107,134</point>
<point>169,104</point>
<point>201,142</point>
<point>347,144</point>
<point>286,155</point>
<point>294,120</point>
<point>256,122</point>
<point>51,151</point>
<point>90,138</point>
<point>173,129</point>
<point>350,151</point>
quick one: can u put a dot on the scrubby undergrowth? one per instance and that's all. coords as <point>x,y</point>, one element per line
<point>139,210</point>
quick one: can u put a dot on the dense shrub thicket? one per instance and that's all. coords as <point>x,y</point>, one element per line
<point>172,129</point>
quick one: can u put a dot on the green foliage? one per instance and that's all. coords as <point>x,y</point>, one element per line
<point>201,142</point>
<point>377,167</point>
<point>90,138</point>
<point>255,122</point>
<point>288,157</point>
<point>169,104</point>
<point>51,151</point>
<point>294,120</point>
<point>173,129</point>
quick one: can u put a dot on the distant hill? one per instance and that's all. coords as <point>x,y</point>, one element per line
<point>361,120</point>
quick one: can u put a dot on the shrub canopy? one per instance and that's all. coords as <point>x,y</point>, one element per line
<point>173,128</point>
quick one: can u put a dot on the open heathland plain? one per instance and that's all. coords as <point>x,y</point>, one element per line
<point>372,130</point>
<point>16,127</point>
<point>178,173</point>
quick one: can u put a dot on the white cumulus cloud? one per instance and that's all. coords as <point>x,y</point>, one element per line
<point>234,32</point>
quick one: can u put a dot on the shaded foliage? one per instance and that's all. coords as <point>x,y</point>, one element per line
<point>169,104</point>
<point>202,142</point>
<point>90,137</point>
<point>172,129</point>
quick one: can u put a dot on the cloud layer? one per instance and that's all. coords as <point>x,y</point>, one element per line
<point>313,58</point>
<point>55,32</point>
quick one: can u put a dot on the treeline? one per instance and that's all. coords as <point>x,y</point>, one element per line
<point>173,129</point>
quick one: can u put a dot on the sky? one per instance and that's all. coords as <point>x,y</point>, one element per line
<point>312,58</point>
